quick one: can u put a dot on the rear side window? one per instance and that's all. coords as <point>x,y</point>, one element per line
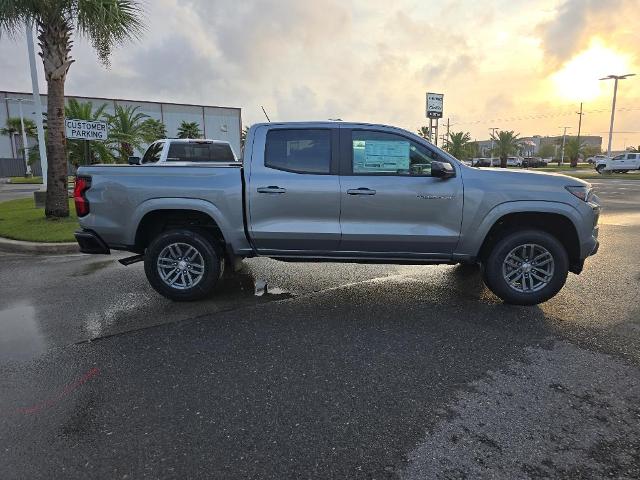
<point>200,152</point>
<point>632,156</point>
<point>300,151</point>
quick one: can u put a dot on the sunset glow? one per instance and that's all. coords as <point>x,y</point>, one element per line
<point>577,80</point>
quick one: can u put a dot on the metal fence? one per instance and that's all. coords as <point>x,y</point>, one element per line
<point>15,167</point>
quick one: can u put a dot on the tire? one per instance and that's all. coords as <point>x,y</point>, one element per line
<point>600,169</point>
<point>202,265</point>
<point>497,269</point>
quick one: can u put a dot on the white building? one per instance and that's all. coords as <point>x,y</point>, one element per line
<point>218,123</point>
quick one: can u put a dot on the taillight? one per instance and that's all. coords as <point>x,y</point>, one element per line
<point>82,204</point>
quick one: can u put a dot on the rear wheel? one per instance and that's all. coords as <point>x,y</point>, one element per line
<point>526,267</point>
<point>182,265</point>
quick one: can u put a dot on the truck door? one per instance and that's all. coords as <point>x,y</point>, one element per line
<point>390,202</point>
<point>293,190</point>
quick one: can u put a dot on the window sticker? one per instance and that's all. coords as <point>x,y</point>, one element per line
<point>380,156</point>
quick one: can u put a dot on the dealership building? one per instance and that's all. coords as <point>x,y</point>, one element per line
<point>218,123</point>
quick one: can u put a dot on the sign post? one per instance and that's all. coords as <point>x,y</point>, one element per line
<point>434,112</point>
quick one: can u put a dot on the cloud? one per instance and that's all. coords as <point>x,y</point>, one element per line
<point>576,21</point>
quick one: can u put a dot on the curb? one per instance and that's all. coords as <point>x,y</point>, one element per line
<point>18,246</point>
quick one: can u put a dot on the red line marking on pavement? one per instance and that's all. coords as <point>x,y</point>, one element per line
<point>66,391</point>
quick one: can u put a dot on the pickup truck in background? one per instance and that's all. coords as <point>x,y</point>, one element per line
<point>619,164</point>
<point>186,150</point>
<point>340,192</point>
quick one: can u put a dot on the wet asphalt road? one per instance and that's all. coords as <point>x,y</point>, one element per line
<point>11,192</point>
<point>335,371</point>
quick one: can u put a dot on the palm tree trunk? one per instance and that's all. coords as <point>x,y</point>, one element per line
<point>54,38</point>
<point>503,162</point>
<point>57,203</point>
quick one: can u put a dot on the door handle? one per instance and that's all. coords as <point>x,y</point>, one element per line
<point>361,191</point>
<point>272,189</point>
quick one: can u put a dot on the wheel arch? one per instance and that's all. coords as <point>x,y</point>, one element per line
<point>558,222</point>
<point>154,216</point>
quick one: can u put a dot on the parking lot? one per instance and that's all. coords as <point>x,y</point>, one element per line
<point>323,370</point>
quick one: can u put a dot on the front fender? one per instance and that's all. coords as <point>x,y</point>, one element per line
<point>475,232</point>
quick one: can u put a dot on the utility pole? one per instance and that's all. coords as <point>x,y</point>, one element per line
<point>579,122</point>
<point>447,131</point>
<point>38,106</point>
<point>564,136</point>
<point>613,106</point>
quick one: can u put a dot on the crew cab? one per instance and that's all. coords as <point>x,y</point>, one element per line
<point>340,192</point>
<point>619,164</point>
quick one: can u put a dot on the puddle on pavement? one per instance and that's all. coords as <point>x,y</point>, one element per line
<point>245,282</point>
<point>92,267</point>
<point>20,337</point>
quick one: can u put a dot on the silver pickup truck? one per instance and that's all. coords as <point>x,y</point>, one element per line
<point>339,192</point>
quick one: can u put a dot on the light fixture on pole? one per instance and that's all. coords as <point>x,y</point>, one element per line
<point>615,78</point>
<point>24,135</point>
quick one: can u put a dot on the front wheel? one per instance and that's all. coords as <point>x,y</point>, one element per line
<point>600,169</point>
<point>527,267</point>
<point>182,265</point>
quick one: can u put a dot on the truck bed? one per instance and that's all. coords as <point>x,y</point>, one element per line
<point>121,195</point>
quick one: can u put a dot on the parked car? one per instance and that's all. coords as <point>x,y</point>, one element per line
<point>481,162</point>
<point>533,162</point>
<point>186,150</point>
<point>348,192</point>
<point>619,164</point>
<point>514,161</point>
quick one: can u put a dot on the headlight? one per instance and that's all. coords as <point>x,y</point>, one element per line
<point>582,192</point>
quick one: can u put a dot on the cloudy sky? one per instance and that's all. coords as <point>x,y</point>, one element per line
<point>521,65</point>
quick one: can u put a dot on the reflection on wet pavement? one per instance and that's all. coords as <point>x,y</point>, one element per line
<point>20,337</point>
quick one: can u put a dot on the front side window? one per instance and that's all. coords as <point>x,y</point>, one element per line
<point>299,150</point>
<point>389,154</point>
<point>619,157</point>
<point>153,153</point>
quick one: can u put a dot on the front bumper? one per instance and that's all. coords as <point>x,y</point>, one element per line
<point>90,242</point>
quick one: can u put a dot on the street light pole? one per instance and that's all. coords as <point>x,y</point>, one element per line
<point>38,106</point>
<point>564,136</point>
<point>615,78</point>
<point>493,134</point>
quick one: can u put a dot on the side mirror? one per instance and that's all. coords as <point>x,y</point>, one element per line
<point>442,170</point>
<point>133,160</point>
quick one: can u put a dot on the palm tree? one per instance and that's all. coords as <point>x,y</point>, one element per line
<point>14,127</point>
<point>424,132</point>
<point>189,130</point>
<point>458,144</point>
<point>127,131</point>
<point>106,23</point>
<point>505,143</point>
<point>83,152</point>
<point>243,136</point>
<point>154,130</point>
<point>572,149</point>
